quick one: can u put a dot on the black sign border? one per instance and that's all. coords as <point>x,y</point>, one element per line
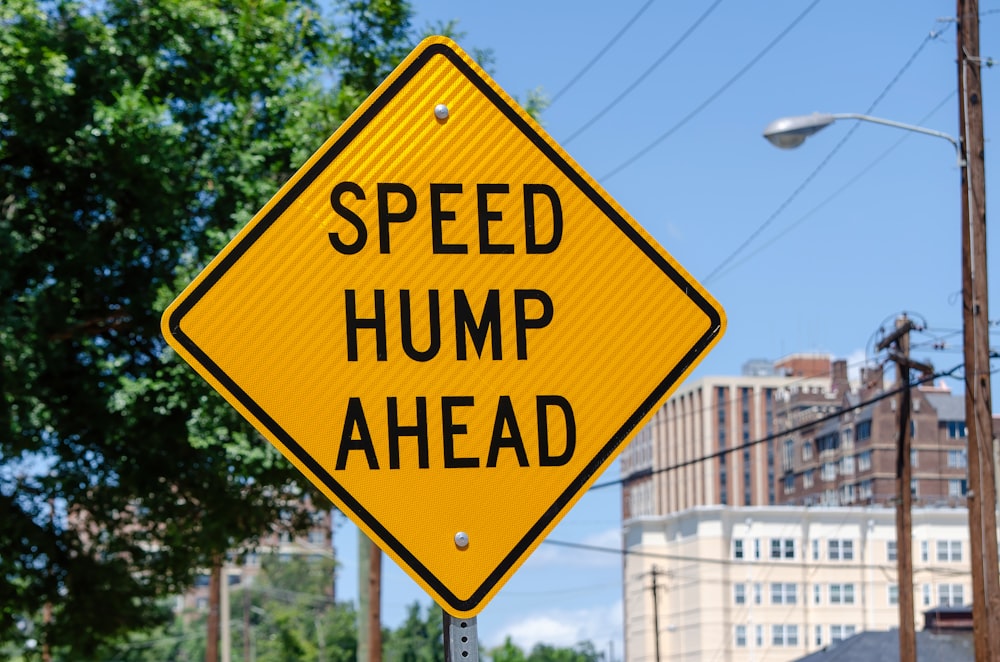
<point>473,602</point>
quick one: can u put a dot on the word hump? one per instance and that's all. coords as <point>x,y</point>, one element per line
<point>446,325</point>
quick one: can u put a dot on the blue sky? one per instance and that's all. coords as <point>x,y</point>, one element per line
<point>860,223</point>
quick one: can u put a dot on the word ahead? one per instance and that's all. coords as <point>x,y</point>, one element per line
<point>356,435</point>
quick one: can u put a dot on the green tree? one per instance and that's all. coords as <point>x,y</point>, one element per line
<point>418,639</point>
<point>508,651</point>
<point>292,620</point>
<point>135,138</point>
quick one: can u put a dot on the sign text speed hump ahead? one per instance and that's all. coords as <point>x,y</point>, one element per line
<point>446,325</point>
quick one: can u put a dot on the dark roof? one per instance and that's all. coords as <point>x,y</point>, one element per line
<point>883,646</point>
<point>948,407</point>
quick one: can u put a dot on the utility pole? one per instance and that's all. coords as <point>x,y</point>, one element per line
<point>369,600</point>
<point>900,338</point>
<point>375,604</point>
<point>225,629</point>
<point>656,614</point>
<point>212,641</point>
<point>246,618</point>
<point>975,337</point>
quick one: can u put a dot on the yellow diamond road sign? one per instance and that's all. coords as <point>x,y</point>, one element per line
<point>446,325</point>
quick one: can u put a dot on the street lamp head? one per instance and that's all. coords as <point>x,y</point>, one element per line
<point>790,132</point>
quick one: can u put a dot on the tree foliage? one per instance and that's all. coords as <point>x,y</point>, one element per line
<point>420,637</point>
<point>135,138</point>
<point>508,651</point>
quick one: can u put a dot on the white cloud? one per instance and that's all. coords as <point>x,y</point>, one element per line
<point>560,627</point>
<point>552,554</point>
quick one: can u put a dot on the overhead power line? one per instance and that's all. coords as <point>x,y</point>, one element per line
<point>715,95</point>
<point>822,164</point>
<point>782,433</point>
<point>644,75</point>
<point>838,565</point>
<point>601,53</point>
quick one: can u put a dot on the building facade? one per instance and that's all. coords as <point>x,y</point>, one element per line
<point>762,509</point>
<point>684,457</point>
<point>851,458</point>
<point>771,584</point>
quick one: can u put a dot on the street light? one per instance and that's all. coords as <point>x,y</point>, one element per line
<point>790,132</point>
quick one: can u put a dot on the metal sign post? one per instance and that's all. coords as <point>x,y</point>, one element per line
<point>461,641</point>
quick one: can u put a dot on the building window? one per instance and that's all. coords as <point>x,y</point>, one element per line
<point>950,595</point>
<point>914,458</point>
<point>957,430</point>
<point>949,550</point>
<point>808,479</point>
<point>847,465</point>
<point>783,548</point>
<point>758,592</point>
<point>789,483</point>
<point>957,487</point>
<point>784,635</point>
<point>958,459</point>
<point>893,594</point>
<point>738,552</point>
<point>807,451</point>
<point>787,455</point>
<point>818,639</point>
<point>841,632</point>
<point>840,550</point>
<point>815,550</point>
<point>925,553</point>
<point>864,461</point>
<point>914,485</point>
<point>740,594</point>
<point>830,442</point>
<point>865,489</point>
<point>740,636</point>
<point>841,594</point>
<point>828,471</point>
<point>927,595</point>
<point>863,431</point>
<point>817,594</point>
<point>783,594</point>
<point>890,550</point>
<point>759,637</point>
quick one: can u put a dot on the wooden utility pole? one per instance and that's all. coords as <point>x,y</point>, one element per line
<point>900,338</point>
<point>975,337</point>
<point>656,615</point>
<point>212,626</point>
<point>369,600</point>
<point>375,604</point>
<point>246,620</point>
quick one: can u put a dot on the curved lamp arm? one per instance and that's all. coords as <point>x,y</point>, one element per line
<point>790,132</point>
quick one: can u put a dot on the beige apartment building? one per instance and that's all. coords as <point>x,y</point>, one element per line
<point>761,506</point>
<point>665,469</point>
<point>771,584</point>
